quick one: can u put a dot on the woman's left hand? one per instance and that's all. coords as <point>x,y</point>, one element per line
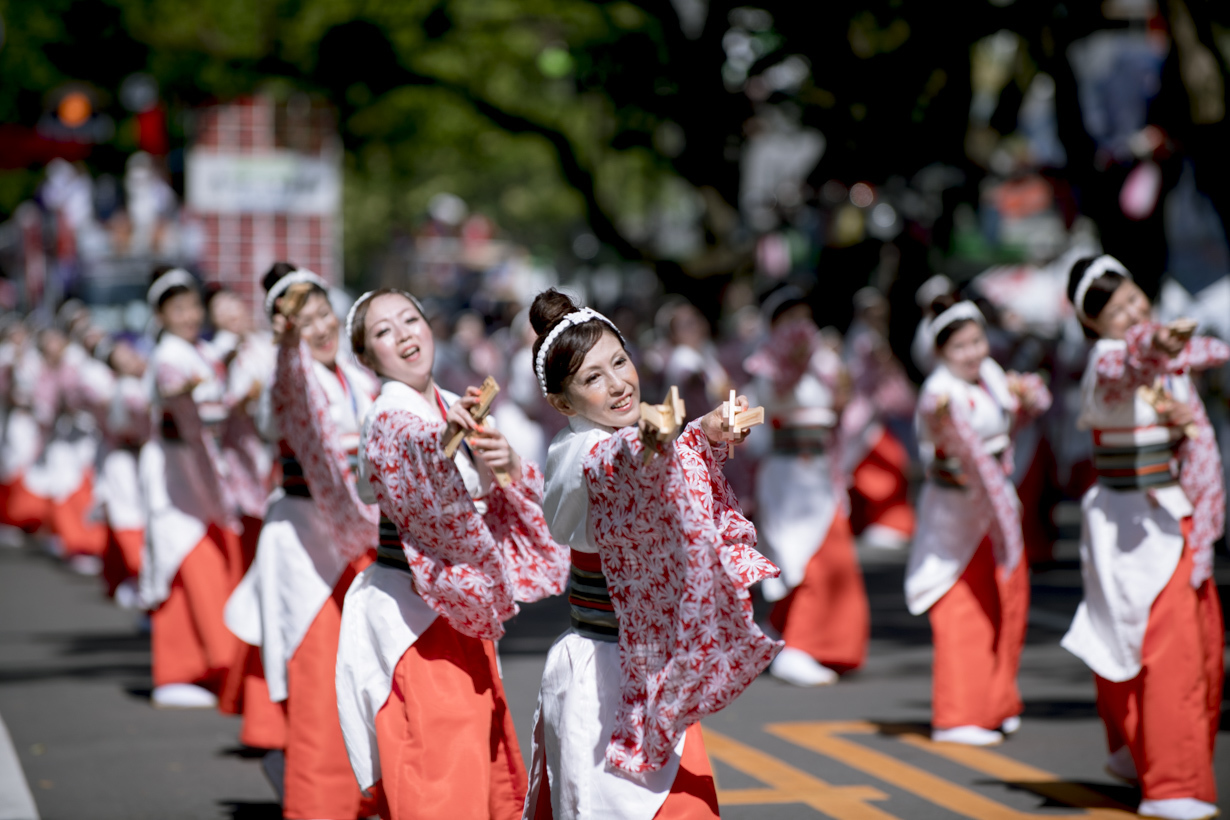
<point>714,423</point>
<point>490,445</point>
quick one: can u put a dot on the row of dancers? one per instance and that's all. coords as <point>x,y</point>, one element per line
<point>351,617</point>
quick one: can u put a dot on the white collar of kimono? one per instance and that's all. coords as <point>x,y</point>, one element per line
<point>577,317</point>
<point>959,311</point>
<point>411,399</point>
<point>1103,264</point>
<point>300,276</point>
<point>580,424</point>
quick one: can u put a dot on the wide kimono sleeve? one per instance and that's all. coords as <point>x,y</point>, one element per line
<point>954,435</point>
<point>172,386</point>
<point>457,566</point>
<point>537,566</point>
<point>678,559</point>
<point>301,415</point>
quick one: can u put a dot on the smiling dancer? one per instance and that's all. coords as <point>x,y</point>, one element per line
<point>316,537</point>
<point>662,558</point>
<point>419,694</point>
<point>966,568</point>
<point>1150,625</point>
<point>191,531</point>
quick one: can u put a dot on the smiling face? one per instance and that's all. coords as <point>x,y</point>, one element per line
<point>1128,306</point>
<point>398,341</point>
<point>182,315</point>
<point>318,326</point>
<point>964,351</point>
<point>606,389</point>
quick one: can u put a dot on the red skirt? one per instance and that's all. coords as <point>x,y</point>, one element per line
<point>446,740</point>
<point>189,640</point>
<point>1168,715</point>
<point>827,615</point>
<point>978,629</point>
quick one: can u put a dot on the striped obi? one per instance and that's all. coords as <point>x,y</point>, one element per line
<point>593,614</point>
<point>1137,458</point>
<point>946,471</point>
<point>293,481</point>
<point>802,431</point>
<point>389,551</point>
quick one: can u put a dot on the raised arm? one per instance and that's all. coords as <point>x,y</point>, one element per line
<point>301,415</point>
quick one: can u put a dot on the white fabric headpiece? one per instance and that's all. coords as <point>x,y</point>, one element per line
<point>354,309</point>
<point>959,311</point>
<point>299,276</point>
<point>175,277</point>
<point>577,317</point>
<point>1103,264</point>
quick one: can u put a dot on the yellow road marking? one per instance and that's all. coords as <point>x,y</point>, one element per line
<point>822,737</point>
<point>787,784</point>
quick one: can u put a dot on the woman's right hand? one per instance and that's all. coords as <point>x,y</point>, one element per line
<point>1169,342</point>
<point>458,416</point>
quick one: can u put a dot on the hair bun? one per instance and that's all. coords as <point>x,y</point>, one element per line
<point>549,307</point>
<point>942,302</point>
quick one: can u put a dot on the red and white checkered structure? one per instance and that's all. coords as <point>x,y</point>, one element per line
<point>245,186</point>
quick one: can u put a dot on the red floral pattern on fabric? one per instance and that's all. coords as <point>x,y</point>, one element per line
<point>301,411</point>
<point>987,475</point>
<point>1139,363</point>
<point>679,557</point>
<point>462,569</point>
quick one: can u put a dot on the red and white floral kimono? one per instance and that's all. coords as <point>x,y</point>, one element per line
<point>27,426</point>
<point>249,464</point>
<point>662,634</point>
<point>192,532</point>
<point>968,548</point>
<point>802,510</point>
<point>317,535</point>
<point>419,695</point>
<point>119,488</point>
<point>64,473</point>
<point>1150,625</point>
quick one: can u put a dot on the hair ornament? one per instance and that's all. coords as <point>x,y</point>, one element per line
<point>1103,264</point>
<point>577,317</point>
<point>301,276</point>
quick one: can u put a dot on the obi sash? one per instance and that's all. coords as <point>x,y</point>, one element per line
<point>593,614</point>
<point>388,550</point>
<point>1137,458</point>
<point>946,471</point>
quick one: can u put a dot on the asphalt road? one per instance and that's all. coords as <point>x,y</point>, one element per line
<point>74,686</point>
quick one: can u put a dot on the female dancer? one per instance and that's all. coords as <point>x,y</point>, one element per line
<point>316,537</point>
<point>191,531</point>
<point>801,500</point>
<point>965,568</point>
<point>126,430</point>
<point>662,631</point>
<point>1150,625</point>
<point>418,685</point>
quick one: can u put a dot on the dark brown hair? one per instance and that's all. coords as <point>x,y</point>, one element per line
<point>358,331</point>
<point>938,306</point>
<point>1099,292</point>
<point>568,351</point>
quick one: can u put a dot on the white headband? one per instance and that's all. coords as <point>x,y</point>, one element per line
<point>354,309</point>
<point>577,317</point>
<point>175,277</point>
<point>299,276</point>
<point>959,311</point>
<point>1103,264</point>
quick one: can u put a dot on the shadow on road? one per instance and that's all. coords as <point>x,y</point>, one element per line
<point>238,810</point>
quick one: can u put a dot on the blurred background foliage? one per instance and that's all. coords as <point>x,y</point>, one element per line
<point>562,116</point>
